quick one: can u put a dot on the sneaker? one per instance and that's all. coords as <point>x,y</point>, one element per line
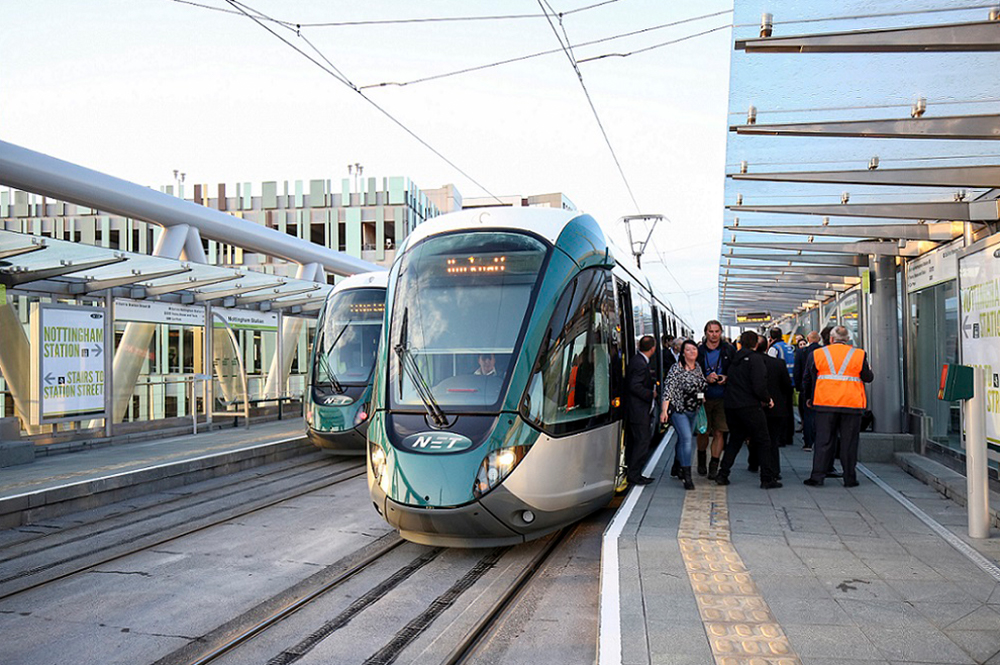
<point>770,485</point>
<point>851,483</point>
<point>812,483</point>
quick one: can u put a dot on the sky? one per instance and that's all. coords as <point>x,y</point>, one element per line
<point>139,88</point>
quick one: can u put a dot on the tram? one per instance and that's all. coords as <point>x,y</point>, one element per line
<point>497,403</point>
<point>343,357</point>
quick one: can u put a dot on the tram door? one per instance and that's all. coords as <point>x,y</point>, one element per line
<point>626,347</point>
<point>625,318</point>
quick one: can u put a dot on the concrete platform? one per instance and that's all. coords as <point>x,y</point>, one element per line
<point>814,575</point>
<point>95,476</point>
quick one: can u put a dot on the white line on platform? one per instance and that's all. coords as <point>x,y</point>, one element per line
<point>975,557</point>
<point>609,634</point>
<point>150,468</point>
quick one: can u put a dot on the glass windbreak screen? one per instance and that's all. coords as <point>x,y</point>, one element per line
<point>348,337</point>
<point>458,309</point>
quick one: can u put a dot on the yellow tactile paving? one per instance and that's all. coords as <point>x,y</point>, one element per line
<point>740,627</point>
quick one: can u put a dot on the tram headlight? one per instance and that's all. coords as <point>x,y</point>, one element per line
<point>497,466</point>
<point>377,459</point>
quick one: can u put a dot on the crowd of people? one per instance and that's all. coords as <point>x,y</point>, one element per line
<point>719,396</point>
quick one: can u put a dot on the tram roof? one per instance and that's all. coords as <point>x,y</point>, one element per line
<point>546,222</point>
<point>378,279</point>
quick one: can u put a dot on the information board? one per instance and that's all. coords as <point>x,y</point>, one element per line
<point>979,327</point>
<point>67,372</point>
<point>154,311</point>
<point>933,268</point>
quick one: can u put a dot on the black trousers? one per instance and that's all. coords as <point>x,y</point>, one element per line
<point>637,448</point>
<point>808,426</point>
<point>777,427</point>
<point>749,424</point>
<point>829,427</point>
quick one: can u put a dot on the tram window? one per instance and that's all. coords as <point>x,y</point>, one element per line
<point>570,385</point>
<point>461,298</point>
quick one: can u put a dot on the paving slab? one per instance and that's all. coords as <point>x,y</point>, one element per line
<point>836,575</point>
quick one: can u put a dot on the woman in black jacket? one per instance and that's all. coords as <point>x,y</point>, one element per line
<point>745,401</point>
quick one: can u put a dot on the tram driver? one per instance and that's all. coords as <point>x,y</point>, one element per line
<point>487,365</point>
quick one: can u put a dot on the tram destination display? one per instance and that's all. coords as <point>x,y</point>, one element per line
<point>67,362</point>
<point>979,327</point>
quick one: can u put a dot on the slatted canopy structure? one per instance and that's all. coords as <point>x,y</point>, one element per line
<point>860,141</point>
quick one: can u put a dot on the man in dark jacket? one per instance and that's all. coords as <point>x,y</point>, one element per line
<point>745,400</point>
<point>714,355</point>
<point>779,416</point>
<point>802,358</point>
<point>639,400</point>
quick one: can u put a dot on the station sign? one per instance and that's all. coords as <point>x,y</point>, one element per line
<point>3,295</point>
<point>246,319</point>
<point>155,311</point>
<point>979,326</point>
<point>933,268</point>
<point>753,317</point>
<point>67,363</point>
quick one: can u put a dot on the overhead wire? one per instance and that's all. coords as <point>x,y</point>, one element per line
<point>439,19</point>
<point>508,61</point>
<point>656,46</point>
<point>246,10</point>
<point>597,117</point>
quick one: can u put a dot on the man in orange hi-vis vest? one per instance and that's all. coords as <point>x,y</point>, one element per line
<point>837,376</point>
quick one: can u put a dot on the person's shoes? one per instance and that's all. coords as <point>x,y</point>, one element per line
<point>807,449</point>
<point>834,474</point>
<point>675,470</point>
<point>851,483</point>
<point>686,477</point>
<point>778,477</point>
<point>641,480</point>
<point>770,485</point>
<point>702,469</point>
<point>812,483</point>
<point>713,468</point>
<point>721,479</point>
<point>753,468</point>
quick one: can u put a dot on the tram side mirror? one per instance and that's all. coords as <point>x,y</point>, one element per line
<point>956,383</point>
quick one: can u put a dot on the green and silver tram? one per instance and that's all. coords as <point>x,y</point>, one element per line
<point>347,337</point>
<point>497,403</point>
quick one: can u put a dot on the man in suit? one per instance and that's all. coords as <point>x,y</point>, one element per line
<point>779,415</point>
<point>639,400</point>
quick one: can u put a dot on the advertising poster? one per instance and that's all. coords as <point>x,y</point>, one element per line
<point>68,362</point>
<point>979,329</point>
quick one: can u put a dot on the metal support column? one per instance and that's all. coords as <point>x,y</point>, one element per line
<point>883,356</point>
<point>109,362</point>
<point>976,478</point>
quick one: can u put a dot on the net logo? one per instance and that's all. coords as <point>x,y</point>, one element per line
<point>436,442</point>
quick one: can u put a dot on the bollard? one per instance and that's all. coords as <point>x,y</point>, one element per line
<point>977,485</point>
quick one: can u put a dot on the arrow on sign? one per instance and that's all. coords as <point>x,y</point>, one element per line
<point>966,326</point>
<point>98,350</point>
<point>49,379</point>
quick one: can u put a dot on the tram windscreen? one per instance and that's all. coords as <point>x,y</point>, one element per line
<point>458,310</point>
<point>348,337</point>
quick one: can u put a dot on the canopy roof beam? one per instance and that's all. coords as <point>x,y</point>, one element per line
<point>974,36</point>
<point>945,210</point>
<point>936,176</point>
<point>276,293</point>
<point>799,257</point>
<point>206,296</point>
<point>92,285</point>
<point>975,127</point>
<point>937,231</point>
<point>189,285</point>
<point>16,277</point>
<point>20,251</point>
<point>877,247</point>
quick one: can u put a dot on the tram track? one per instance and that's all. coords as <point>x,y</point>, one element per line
<point>132,514</point>
<point>506,587</point>
<point>62,564</point>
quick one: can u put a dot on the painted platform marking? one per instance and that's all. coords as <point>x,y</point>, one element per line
<point>740,627</point>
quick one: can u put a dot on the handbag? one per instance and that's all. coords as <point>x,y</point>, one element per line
<point>700,420</point>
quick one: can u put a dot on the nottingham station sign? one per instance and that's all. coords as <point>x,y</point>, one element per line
<point>753,317</point>
<point>67,363</point>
